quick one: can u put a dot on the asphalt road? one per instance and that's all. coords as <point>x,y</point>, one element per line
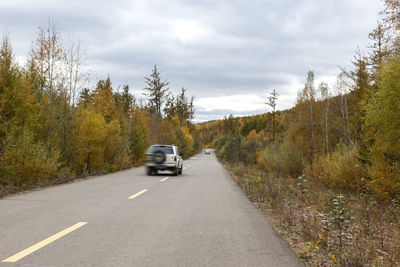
<point>200,218</point>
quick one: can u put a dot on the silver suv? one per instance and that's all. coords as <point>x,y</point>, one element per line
<point>164,157</point>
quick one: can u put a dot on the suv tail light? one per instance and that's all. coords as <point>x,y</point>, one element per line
<point>175,158</point>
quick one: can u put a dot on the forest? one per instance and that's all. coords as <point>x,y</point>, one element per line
<point>328,169</point>
<point>54,127</point>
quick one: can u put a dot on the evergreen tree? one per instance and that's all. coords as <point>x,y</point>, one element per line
<point>382,131</point>
<point>157,91</point>
<point>9,77</point>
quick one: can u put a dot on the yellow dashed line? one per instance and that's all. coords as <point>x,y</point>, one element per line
<point>166,178</point>
<point>138,194</point>
<point>43,243</point>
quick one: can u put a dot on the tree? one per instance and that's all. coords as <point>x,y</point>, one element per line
<point>47,53</point>
<point>272,103</point>
<point>307,97</point>
<point>115,147</point>
<point>87,142</point>
<point>75,77</point>
<point>379,46</point>
<point>252,145</point>
<point>381,131</point>
<point>139,135</point>
<point>9,77</point>
<point>180,106</point>
<point>392,23</point>
<point>85,97</point>
<point>170,106</point>
<point>343,86</point>
<point>156,91</point>
<point>47,61</point>
<point>103,101</point>
<point>229,125</point>
<point>192,111</point>
<point>53,126</point>
<point>127,99</point>
<point>26,162</point>
<point>325,98</point>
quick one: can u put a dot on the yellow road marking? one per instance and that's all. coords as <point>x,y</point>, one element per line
<point>138,194</point>
<point>166,178</point>
<point>43,243</point>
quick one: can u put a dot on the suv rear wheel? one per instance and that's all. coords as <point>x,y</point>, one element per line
<point>151,171</point>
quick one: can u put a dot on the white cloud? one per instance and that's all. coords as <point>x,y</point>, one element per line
<point>229,54</point>
<point>238,103</point>
<point>188,30</point>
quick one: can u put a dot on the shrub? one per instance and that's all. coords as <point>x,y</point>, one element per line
<point>340,169</point>
<point>26,162</point>
<point>282,159</point>
<point>229,148</point>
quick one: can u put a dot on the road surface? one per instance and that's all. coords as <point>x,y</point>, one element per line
<point>200,218</point>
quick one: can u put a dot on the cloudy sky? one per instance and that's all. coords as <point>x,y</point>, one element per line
<point>229,54</point>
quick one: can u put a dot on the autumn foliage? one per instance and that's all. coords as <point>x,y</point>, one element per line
<point>328,169</point>
<point>54,126</point>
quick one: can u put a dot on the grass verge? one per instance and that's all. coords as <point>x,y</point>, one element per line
<point>324,227</point>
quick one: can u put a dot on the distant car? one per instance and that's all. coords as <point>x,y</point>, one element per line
<point>164,157</point>
<point>207,151</point>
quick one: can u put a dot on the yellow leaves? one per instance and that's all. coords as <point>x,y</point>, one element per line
<point>252,135</point>
<point>187,130</point>
<point>386,176</point>
<point>382,131</point>
<point>103,101</point>
<point>340,169</point>
<point>333,258</point>
<point>26,161</point>
<point>259,182</point>
<point>115,146</point>
<point>88,135</point>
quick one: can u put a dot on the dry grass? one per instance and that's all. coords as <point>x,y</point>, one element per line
<point>325,227</point>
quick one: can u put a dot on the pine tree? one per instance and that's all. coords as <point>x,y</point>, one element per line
<point>157,91</point>
<point>9,78</point>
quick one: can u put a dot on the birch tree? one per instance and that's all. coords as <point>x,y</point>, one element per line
<point>325,97</point>
<point>308,96</point>
<point>48,55</point>
<point>75,77</point>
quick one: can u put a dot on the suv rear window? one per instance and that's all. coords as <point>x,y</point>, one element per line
<point>165,149</point>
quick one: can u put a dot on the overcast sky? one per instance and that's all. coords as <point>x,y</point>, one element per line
<point>229,54</point>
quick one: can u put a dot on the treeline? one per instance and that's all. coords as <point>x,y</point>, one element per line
<point>53,127</point>
<point>347,137</point>
<point>329,168</point>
